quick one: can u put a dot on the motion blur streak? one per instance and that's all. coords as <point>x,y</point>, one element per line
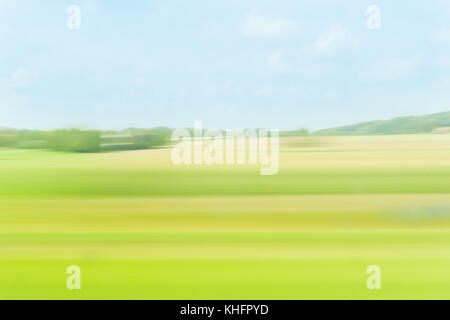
<point>140,227</point>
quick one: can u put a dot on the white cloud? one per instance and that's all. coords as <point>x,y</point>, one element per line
<point>260,26</point>
<point>90,6</point>
<point>395,69</point>
<point>23,76</point>
<point>296,62</point>
<point>275,62</point>
<point>442,36</point>
<point>335,40</point>
<point>444,62</point>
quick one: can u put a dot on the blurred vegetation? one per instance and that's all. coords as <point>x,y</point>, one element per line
<point>226,232</point>
<point>76,140</point>
<point>301,132</point>
<point>431,123</point>
<point>73,140</point>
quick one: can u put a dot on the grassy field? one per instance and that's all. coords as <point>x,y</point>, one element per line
<point>142,228</point>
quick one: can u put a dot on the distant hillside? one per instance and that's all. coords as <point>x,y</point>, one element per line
<point>401,125</point>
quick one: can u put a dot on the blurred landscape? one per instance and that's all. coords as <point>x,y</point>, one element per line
<point>142,228</point>
<point>89,141</point>
<point>101,108</point>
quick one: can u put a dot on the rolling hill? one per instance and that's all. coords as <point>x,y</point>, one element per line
<point>400,125</point>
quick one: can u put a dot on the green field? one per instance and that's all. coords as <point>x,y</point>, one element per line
<point>142,228</point>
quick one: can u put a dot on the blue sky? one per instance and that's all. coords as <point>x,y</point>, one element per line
<point>231,64</point>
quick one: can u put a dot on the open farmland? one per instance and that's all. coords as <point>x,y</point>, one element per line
<point>142,228</point>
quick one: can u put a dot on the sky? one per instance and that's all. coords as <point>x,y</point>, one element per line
<point>229,63</point>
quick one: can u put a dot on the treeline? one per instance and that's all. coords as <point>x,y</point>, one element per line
<point>300,132</point>
<point>76,140</point>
